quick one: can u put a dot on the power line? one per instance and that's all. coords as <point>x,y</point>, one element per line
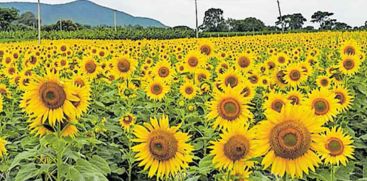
<point>39,21</point>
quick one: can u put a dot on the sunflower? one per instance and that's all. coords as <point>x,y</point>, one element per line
<point>162,149</point>
<point>350,47</point>
<point>296,97</point>
<point>235,149</point>
<point>202,75</point>
<point>70,130</point>
<point>349,64</point>
<point>206,47</point>
<point>188,90</point>
<point>281,59</point>
<point>81,90</point>
<point>90,68</point>
<point>123,67</point>
<point>245,61</point>
<point>49,99</point>
<point>65,128</point>
<point>127,90</point>
<point>344,97</point>
<point>163,70</point>
<point>127,121</point>
<point>4,91</point>
<point>230,78</point>
<point>279,78</point>
<point>294,75</point>
<point>323,104</point>
<point>323,81</point>
<point>229,107</point>
<point>335,147</point>
<point>157,89</point>
<point>287,139</point>
<point>275,102</point>
<point>3,151</point>
<point>194,61</point>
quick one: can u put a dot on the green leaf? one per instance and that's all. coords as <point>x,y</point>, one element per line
<point>27,172</point>
<point>22,156</point>
<point>100,164</point>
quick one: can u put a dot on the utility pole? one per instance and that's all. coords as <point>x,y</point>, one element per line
<point>197,22</point>
<point>60,25</point>
<point>39,21</point>
<point>280,15</point>
<point>114,19</point>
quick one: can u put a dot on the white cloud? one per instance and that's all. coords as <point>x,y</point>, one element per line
<point>181,12</point>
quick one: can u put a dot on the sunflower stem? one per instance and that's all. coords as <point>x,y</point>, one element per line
<point>332,172</point>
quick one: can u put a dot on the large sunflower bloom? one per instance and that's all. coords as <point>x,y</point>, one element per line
<point>162,149</point>
<point>288,140</point>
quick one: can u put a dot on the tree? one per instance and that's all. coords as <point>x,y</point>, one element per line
<point>65,25</point>
<point>323,18</point>
<point>292,21</point>
<point>28,19</point>
<point>246,25</point>
<point>7,16</point>
<point>214,21</point>
<point>341,26</point>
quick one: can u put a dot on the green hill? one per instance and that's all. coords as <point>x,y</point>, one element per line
<point>83,12</point>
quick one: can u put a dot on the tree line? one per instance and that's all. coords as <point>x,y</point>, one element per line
<point>214,22</point>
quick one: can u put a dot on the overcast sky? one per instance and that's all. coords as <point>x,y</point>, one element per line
<point>181,12</point>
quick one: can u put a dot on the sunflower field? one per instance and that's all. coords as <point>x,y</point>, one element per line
<point>266,107</point>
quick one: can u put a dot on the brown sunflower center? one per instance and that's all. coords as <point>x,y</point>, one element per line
<point>349,50</point>
<point>11,70</point>
<point>201,77</point>
<point>243,62</point>
<point>295,100</point>
<point>189,90</point>
<point>236,148</point>
<point>52,95</point>
<point>271,65</point>
<point>280,76</point>
<point>79,82</point>
<point>128,119</point>
<point>295,75</point>
<point>90,67</point>
<point>162,145</point>
<point>324,82</point>
<point>123,65</point>
<point>229,109</point>
<point>277,105</point>
<point>156,89</point>
<point>254,79</point>
<point>193,61</point>
<point>246,91</point>
<point>281,59</point>
<point>231,81</point>
<point>348,64</point>
<point>163,72</point>
<point>205,49</point>
<point>341,97</point>
<point>290,139</point>
<point>321,106</point>
<point>335,146</point>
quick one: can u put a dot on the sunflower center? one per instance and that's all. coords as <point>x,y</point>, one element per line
<point>294,99</point>
<point>340,96</point>
<point>246,92</point>
<point>201,77</point>
<point>128,119</point>
<point>162,145</point>
<point>324,82</point>
<point>205,49</point>
<point>53,95</point>
<point>193,61</point>
<point>243,62</point>
<point>189,90</point>
<point>349,50</point>
<point>321,106</point>
<point>281,59</point>
<point>236,148</point>
<point>11,70</point>
<point>156,89</point>
<point>280,77</point>
<point>231,81</point>
<point>290,139</point>
<point>254,79</point>
<point>163,72</point>
<point>335,146</point>
<point>79,82</point>
<point>295,75</point>
<point>123,65</point>
<point>277,105</point>
<point>348,64</point>
<point>229,109</point>
<point>271,65</point>
<point>90,66</point>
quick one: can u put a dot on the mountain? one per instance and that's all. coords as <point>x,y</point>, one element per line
<point>83,12</point>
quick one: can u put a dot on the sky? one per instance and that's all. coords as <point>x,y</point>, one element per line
<point>182,12</point>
